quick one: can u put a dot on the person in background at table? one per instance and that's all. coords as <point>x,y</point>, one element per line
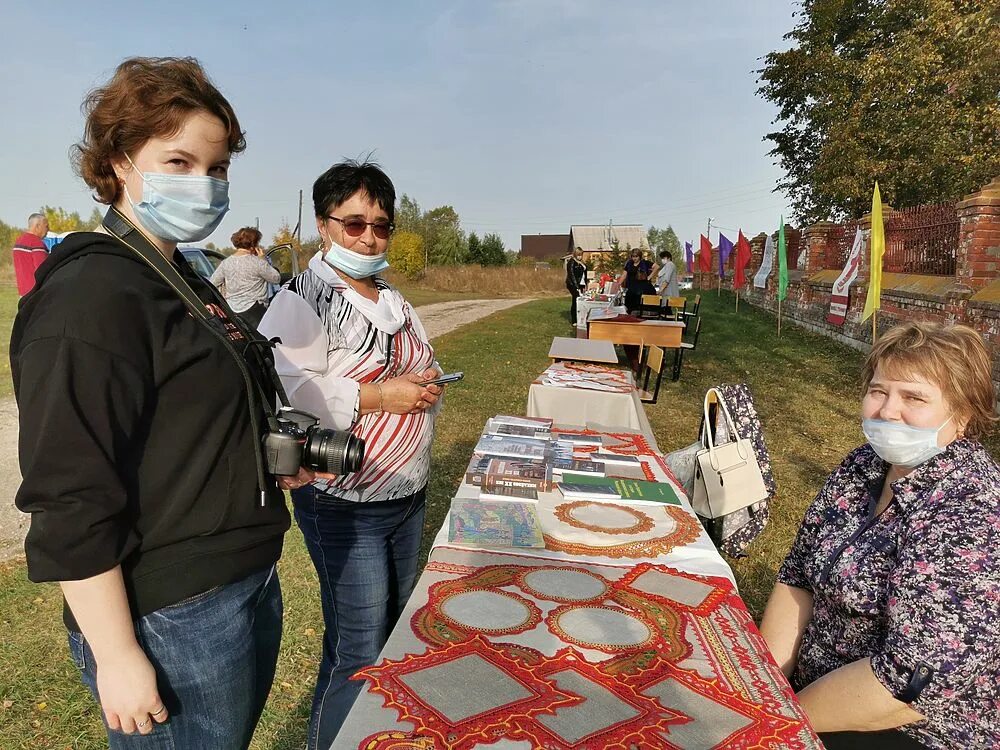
<point>884,616</point>
<point>354,353</point>
<point>633,266</point>
<point>633,295</point>
<point>243,276</point>
<point>576,280</point>
<point>666,277</point>
<point>29,252</point>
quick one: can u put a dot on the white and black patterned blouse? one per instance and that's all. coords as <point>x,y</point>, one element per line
<point>329,347</point>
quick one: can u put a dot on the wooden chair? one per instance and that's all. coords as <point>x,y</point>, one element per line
<point>685,346</point>
<point>693,313</point>
<point>677,305</point>
<point>650,306</point>
<point>654,363</point>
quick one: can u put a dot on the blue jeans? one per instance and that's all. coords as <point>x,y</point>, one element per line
<point>214,656</point>
<point>366,557</point>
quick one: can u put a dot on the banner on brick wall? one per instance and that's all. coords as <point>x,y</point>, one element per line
<point>842,286</point>
<point>760,278</point>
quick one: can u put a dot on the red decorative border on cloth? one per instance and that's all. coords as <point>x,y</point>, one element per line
<point>643,522</point>
<point>524,585</point>
<point>723,588</point>
<point>552,621</point>
<point>688,529</point>
<point>485,727</point>
<point>394,740</point>
<point>533,618</point>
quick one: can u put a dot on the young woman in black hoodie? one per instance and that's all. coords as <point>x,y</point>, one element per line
<point>140,433</point>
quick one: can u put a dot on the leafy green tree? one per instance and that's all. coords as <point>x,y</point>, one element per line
<point>406,254</point>
<point>408,217</point>
<point>475,249</point>
<point>902,91</point>
<point>664,239</point>
<point>446,243</point>
<point>493,252</point>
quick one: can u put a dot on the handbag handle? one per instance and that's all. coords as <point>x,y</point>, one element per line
<point>707,433</point>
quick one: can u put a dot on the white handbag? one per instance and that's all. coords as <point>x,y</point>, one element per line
<point>727,477</point>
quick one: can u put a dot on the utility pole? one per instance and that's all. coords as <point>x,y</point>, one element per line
<point>298,227</point>
<point>256,222</point>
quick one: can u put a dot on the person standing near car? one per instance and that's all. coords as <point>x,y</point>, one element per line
<point>141,430</point>
<point>243,276</point>
<point>29,252</point>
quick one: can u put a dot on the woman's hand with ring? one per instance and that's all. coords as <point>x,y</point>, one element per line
<point>127,688</point>
<point>406,395</point>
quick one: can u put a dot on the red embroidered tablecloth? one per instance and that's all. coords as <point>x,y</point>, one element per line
<point>499,650</point>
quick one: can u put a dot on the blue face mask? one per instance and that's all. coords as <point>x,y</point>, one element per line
<point>901,445</point>
<point>180,207</point>
<point>355,265</point>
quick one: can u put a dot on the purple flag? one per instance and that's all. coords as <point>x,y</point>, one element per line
<point>689,257</point>
<point>725,248</point>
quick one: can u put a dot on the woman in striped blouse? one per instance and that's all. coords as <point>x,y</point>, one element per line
<point>353,353</point>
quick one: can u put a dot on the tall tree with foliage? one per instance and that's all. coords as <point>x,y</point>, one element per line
<point>61,220</point>
<point>902,91</point>
<point>493,252</point>
<point>408,217</point>
<point>664,239</point>
<point>475,249</point>
<point>446,243</point>
<point>406,254</point>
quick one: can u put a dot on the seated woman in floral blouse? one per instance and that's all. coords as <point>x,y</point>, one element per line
<point>886,614</point>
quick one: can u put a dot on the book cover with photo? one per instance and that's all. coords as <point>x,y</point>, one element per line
<point>494,524</point>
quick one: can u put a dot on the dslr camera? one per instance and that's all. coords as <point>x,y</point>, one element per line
<point>300,441</point>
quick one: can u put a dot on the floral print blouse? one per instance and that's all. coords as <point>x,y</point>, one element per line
<point>916,589</point>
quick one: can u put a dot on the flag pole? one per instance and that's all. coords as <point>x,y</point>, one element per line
<point>779,318</point>
<point>874,326</point>
<point>719,293</point>
<point>737,300</point>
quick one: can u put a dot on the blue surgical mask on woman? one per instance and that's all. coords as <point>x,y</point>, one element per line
<point>180,207</point>
<point>355,265</point>
<point>900,444</point>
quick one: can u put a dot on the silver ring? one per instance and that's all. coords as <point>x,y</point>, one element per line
<point>157,713</point>
<point>141,724</point>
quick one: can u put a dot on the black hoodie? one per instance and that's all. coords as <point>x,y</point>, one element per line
<point>136,441</point>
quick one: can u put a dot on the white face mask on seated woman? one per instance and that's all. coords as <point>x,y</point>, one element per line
<point>899,444</point>
<point>907,422</point>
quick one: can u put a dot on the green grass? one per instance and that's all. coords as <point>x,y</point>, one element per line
<point>8,308</point>
<point>805,387</point>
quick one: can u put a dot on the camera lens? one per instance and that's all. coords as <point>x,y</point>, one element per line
<point>332,451</point>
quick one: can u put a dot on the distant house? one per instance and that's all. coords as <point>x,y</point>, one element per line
<point>544,247</point>
<point>594,239</point>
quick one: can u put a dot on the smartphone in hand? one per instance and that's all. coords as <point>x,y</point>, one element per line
<point>453,377</point>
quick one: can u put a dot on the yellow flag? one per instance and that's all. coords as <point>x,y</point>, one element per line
<point>876,244</point>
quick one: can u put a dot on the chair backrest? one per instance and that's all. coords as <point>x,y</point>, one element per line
<point>697,303</point>
<point>652,300</point>
<point>675,302</point>
<point>654,363</point>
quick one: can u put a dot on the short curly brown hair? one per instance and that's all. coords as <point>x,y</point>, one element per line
<point>953,357</point>
<point>147,97</point>
<point>246,238</point>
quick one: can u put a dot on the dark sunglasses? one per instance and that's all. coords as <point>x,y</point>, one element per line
<point>355,227</point>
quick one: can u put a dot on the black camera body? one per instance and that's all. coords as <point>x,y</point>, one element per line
<point>300,441</point>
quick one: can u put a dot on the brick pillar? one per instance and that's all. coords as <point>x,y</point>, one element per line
<point>978,253</point>
<point>816,239</point>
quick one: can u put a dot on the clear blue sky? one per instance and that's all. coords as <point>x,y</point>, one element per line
<point>525,115</point>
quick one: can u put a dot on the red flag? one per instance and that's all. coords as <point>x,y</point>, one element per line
<point>705,255</point>
<point>742,259</point>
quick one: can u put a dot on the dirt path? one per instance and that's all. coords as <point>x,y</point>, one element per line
<point>438,319</point>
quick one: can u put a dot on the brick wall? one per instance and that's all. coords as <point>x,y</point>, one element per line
<point>971,296</point>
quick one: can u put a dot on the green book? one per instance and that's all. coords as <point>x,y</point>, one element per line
<point>632,490</point>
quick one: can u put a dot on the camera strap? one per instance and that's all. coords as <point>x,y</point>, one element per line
<point>129,235</point>
<point>125,231</point>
